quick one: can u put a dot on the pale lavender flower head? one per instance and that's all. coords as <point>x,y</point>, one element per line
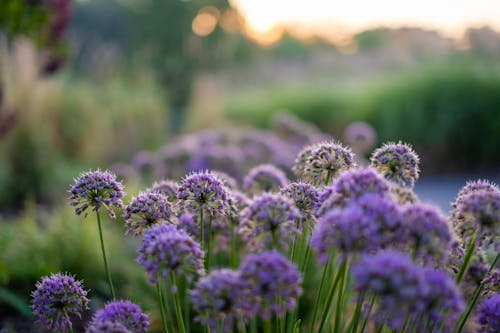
<point>107,327</point>
<point>166,248</point>
<point>264,178</point>
<point>56,299</point>
<point>274,282</point>
<point>360,135</point>
<point>489,315</point>
<point>166,187</point>
<point>397,162</point>
<point>270,218</point>
<point>474,186</point>
<point>479,212</point>
<point>328,158</point>
<point>146,210</point>
<point>429,233</point>
<point>94,190</point>
<point>222,296</point>
<point>299,166</point>
<point>203,191</point>
<point>123,312</point>
<point>305,196</point>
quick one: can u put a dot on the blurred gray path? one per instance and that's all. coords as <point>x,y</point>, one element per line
<point>441,190</point>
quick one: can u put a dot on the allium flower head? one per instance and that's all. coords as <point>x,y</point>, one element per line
<point>489,315</point>
<point>429,233</point>
<point>264,178</point>
<point>478,212</point>
<point>123,312</point>
<point>274,281</point>
<point>269,218</point>
<point>203,191</point>
<point>360,135</point>
<point>397,162</point>
<point>299,166</point>
<point>328,158</point>
<point>56,299</point>
<point>96,189</point>
<point>305,196</point>
<point>166,187</point>
<point>146,210</point>
<point>222,296</point>
<point>475,186</point>
<point>166,248</point>
<point>107,327</point>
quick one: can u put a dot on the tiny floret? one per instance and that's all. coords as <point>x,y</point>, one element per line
<point>95,190</point>
<point>56,299</point>
<point>264,178</point>
<point>122,312</point>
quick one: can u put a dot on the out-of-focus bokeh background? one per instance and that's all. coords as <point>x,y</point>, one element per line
<point>109,83</point>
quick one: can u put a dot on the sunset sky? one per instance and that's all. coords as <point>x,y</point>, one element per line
<point>449,16</point>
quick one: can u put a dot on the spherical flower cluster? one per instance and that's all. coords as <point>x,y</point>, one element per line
<point>274,281</point>
<point>264,178</point>
<point>479,213</point>
<point>166,248</point>
<point>475,186</point>
<point>305,196</point>
<point>270,221</point>
<point>168,188</point>
<point>56,299</point>
<point>222,296</point>
<point>489,315</point>
<point>107,327</point>
<point>360,135</point>
<point>122,312</point>
<point>327,161</point>
<point>146,210</point>
<point>397,162</point>
<point>203,191</point>
<point>429,233</point>
<point>299,166</point>
<point>96,189</point>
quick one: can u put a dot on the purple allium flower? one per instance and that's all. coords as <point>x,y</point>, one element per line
<point>397,282</point>
<point>264,178</point>
<point>474,186</point>
<point>397,162</point>
<point>166,248</point>
<point>96,189</point>
<point>429,233</point>
<point>56,299</point>
<point>146,210</point>
<point>489,315</point>
<point>299,166</point>
<point>273,280</point>
<point>270,220</point>
<point>368,224</point>
<point>123,312</point>
<point>360,135</point>
<point>443,300</point>
<point>107,327</point>
<point>478,212</point>
<point>222,296</point>
<point>166,187</point>
<point>203,191</point>
<point>328,158</point>
<point>351,185</point>
<point>305,196</point>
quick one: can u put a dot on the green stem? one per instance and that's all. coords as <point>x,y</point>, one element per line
<point>340,295</point>
<point>318,295</point>
<point>329,298</point>
<point>253,325</point>
<point>378,328</point>
<point>328,177</point>
<point>357,313</point>
<point>162,306</point>
<point>365,321</point>
<point>234,254</point>
<point>209,243</point>
<point>477,294</point>
<point>110,282</point>
<point>467,258</point>
<point>267,326</point>
<point>177,303</point>
<point>202,230</point>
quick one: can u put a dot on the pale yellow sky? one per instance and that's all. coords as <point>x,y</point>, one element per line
<point>449,16</point>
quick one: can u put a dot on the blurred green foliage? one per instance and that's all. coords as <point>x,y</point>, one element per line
<point>23,17</point>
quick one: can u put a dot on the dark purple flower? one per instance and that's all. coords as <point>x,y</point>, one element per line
<point>222,296</point>
<point>264,178</point>
<point>270,221</point>
<point>397,162</point>
<point>107,327</point>
<point>96,189</point>
<point>56,299</point>
<point>328,158</point>
<point>429,233</point>
<point>123,312</point>
<point>489,315</point>
<point>203,191</point>
<point>274,282</point>
<point>166,187</point>
<point>146,210</point>
<point>166,248</point>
